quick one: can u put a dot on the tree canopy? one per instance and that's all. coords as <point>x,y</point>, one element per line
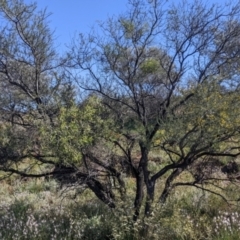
<point>162,79</point>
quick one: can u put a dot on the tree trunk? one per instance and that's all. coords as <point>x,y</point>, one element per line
<point>139,193</point>
<point>168,185</point>
<point>143,177</point>
<point>102,192</point>
<point>150,197</point>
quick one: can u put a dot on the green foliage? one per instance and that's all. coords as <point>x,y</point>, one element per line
<point>131,29</point>
<point>207,119</point>
<point>150,66</point>
<point>128,27</point>
<point>14,142</point>
<point>76,128</point>
<point>19,209</point>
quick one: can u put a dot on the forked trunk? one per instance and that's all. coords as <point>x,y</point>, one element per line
<point>142,180</point>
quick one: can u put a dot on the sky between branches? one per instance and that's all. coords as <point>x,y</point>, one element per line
<point>70,17</point>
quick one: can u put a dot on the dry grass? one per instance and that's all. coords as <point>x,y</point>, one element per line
<point>37,209</point>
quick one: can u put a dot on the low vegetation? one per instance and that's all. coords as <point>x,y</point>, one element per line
<point>38,210</point>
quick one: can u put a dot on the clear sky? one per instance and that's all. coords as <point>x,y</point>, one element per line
<point>74,16</point>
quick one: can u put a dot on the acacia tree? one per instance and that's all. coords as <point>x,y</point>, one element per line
<point>161,78</point>
<point>32,82</point>
<point>160,70</point>
<point>40,120</point>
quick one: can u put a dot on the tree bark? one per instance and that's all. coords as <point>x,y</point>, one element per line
<point>143,177</point>
<point>101,191</point>
<point>139,193</point>
<point>168,185</point>
<point>150,197</point>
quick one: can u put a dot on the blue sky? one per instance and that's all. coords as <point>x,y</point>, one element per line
<point>74,16</point>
